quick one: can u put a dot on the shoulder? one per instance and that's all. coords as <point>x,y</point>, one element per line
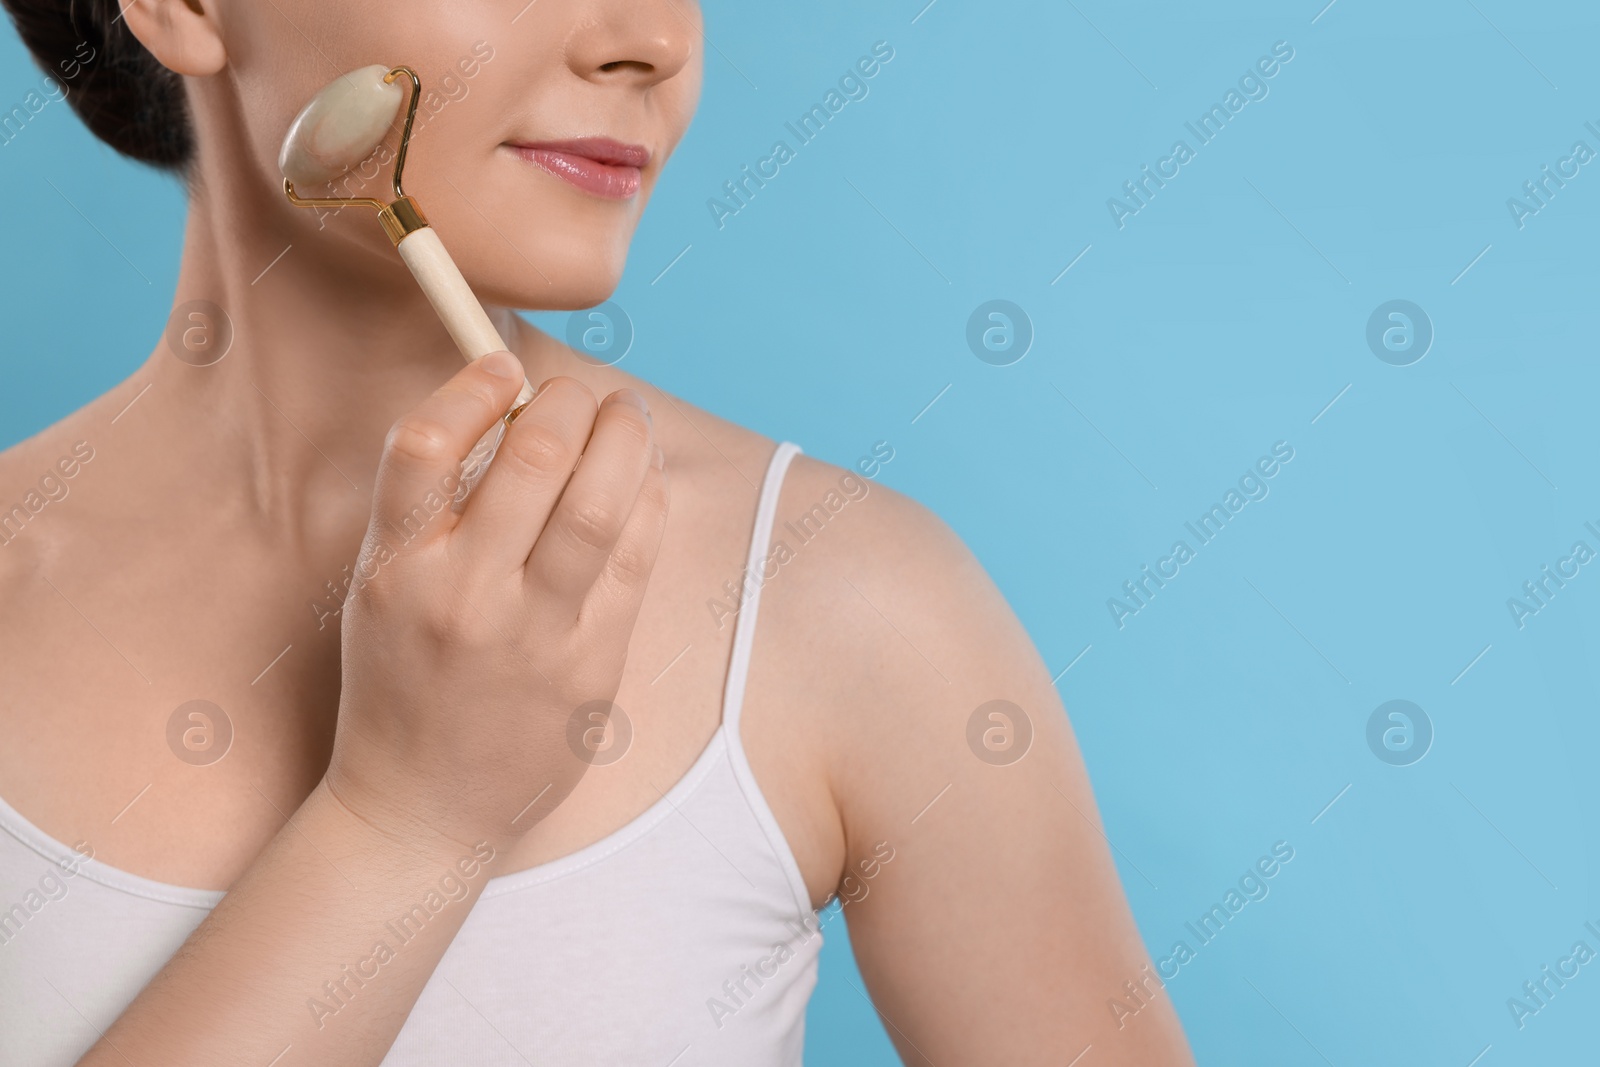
<point>921,608</point>
<point>880,632</point>
<point>962,804</point>
<point>37,476</point>
<point>46,547</point>
<point>705,452</point>
<point>61,488</point>
<point>904,633</point>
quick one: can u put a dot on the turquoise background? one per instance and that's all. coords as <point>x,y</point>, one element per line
<point>1224,317</point>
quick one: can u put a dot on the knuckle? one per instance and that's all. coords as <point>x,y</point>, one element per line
<point>592,524</point>
<point>445,630</point>
<point>653,500</point>
<point>420,440</point>
<point>655,492</point>
<point>630,424</point>
<point>475,387</point>
<point>631,562</point>
<point>451,626</point>
<point>540,448</point>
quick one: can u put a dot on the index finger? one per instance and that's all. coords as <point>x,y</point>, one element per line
<point>421,464</point>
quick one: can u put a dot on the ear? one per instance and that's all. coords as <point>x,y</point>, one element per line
<point>181,34</point>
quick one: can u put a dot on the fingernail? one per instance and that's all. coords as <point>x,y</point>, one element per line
<point>629,396</point>
<point>658,458</point>
<point>502,365</point>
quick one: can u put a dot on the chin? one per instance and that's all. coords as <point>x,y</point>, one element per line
<point>557,275</point>
<point>542,256</point>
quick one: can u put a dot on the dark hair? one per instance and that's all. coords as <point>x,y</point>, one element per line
<point>120,91</point>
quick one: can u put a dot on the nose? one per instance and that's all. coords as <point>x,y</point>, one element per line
<point>638,42</point>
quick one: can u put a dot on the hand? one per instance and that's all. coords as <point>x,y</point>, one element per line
<point>471,638</point>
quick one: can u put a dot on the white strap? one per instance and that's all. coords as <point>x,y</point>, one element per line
<point>752,579</point>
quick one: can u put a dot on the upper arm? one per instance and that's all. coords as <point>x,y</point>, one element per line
<point>997,930</point>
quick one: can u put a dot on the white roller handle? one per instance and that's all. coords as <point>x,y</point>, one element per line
<point>468,324</point>
<point>452,298</point>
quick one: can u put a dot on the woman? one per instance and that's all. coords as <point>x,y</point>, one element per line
<point>551,796</point>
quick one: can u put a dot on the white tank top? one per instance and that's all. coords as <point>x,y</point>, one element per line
<point>686,937</point>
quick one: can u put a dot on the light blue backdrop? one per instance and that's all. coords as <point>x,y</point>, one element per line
<point>1228,314</point>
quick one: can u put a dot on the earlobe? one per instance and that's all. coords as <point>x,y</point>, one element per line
<point>181,34</point>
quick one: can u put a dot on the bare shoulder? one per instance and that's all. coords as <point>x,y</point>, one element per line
<point>705,452</point>
<point>38,476</point>
<point>42,450</point>
<point>45,480</point>
<point>909,605</point>
<point>900,637</point>
<point>967,835</point>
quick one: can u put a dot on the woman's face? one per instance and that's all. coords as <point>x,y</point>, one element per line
<point>540,132</point>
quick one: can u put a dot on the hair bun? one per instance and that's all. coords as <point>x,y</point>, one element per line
<point>120,91</point>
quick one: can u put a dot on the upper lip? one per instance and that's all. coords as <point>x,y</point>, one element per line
<point>600,149</point>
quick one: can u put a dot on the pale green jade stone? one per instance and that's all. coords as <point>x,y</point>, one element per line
<point>340,127</point>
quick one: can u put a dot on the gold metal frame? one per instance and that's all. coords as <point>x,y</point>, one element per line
<point>403,215</point>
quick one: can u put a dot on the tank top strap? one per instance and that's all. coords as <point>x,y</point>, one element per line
<point>751,580</point>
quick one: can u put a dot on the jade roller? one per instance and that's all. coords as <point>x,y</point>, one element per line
<point>342,127</point>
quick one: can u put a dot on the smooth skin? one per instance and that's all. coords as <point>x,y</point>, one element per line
<point>379,746</point>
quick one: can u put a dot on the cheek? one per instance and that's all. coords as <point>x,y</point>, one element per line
<point>520,237</point>
<point>284,53</point>
<point>685,98</point>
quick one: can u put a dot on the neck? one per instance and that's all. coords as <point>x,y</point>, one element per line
<point>331,341</point>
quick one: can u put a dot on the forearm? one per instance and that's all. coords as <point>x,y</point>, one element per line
<point>324,944</point>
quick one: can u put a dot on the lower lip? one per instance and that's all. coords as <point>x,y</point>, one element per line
<point>598,179</point>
